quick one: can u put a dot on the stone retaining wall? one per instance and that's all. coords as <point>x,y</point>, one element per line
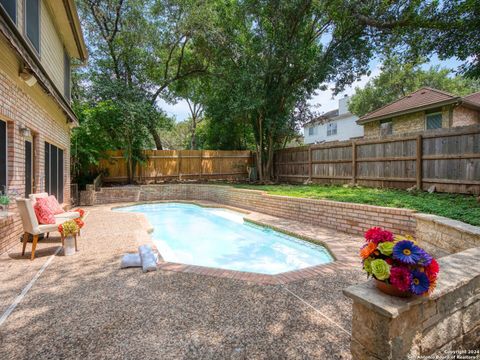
<point>385,327</point>
<point>441,236</point>
<point>346,217</point>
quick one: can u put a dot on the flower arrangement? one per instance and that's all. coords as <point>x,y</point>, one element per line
<point>399,262</point>
<point>68,228</point>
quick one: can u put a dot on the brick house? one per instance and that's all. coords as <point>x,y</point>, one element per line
<point>38,39</point>
<point>423,110</point>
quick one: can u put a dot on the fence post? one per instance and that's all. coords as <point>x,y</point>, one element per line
<point>354,162</point>
<point>179,163</point>
<point>201,164</point>
<point>419,161</point>
<point>310,163</point>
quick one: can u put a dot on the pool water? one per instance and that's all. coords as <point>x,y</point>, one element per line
<point>213,237</point>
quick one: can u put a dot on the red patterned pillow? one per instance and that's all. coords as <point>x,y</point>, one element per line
<point>52,203</point>
<point>43,213</point>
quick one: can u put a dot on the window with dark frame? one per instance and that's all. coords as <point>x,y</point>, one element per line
<point>434,121</point>
<point>386,127</point>
<point>32,22</point>
<point>10,7</point>
<point>54,170</point>
<point>311,130</point>
<point>3,156</point>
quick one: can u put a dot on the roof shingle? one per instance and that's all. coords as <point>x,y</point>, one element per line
<point>421,98</point>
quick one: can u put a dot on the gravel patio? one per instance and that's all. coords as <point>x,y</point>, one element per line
<point>85,307</point>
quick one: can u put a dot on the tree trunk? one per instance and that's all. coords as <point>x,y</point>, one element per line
<point>193,142</point>
<point>156,138</point>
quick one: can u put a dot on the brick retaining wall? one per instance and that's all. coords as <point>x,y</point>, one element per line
<point>346,217</point>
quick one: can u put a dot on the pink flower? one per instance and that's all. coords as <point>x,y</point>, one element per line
<point>400,277</point>
<point>378,235</point>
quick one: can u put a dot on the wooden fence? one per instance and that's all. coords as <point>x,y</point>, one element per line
<point>161,165</point>
<point>447,158</point>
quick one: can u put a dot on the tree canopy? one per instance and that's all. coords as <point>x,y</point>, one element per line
<point>248,67</point>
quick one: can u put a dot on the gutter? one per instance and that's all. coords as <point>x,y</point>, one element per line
<point>9,29</point>
<point>71,14</point>
<point>456,100</point>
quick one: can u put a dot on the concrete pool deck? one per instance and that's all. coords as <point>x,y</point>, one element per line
<point>84,306</point>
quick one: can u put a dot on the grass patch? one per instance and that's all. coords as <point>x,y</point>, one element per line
<point>455,206</point>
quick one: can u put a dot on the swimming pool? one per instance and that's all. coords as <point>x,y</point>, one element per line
<point>214,237</point>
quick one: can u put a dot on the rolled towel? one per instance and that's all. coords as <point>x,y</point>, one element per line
<point>131,260</point>
<point>149,259</point>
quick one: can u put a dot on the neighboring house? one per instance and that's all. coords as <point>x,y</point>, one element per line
<point>424,109</point>
<point>38,39</point>
<point>335,125</point>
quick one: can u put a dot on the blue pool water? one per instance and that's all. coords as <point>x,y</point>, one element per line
<point>190,234</point>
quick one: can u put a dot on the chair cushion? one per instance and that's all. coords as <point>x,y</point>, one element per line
<point>43,213</point>
<point>53,204</point>
<point>68,215</point>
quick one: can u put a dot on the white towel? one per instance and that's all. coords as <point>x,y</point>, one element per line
<point>149,258</point>
<point>131,260</point>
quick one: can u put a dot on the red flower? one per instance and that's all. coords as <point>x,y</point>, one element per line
<point>432,270</point>
<point>60,228</point>
<point>80,211</point>
<point>400,277</point>
<point>79,222</point>
<point>389,261</point>
<point>378,235</point>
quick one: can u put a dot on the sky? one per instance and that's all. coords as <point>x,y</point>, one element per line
<point>323,100</point>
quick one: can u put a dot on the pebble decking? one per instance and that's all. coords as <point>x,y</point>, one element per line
<point>85,307</point>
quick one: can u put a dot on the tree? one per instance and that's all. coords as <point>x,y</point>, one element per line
<point>147,45</point>
<point>398,79</point>
<point>268,56</point>
<point>421,28</point>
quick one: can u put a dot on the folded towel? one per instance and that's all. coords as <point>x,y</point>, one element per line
<point>149,258</point>
<point>131,260</point>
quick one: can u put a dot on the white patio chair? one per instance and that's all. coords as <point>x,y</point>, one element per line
<point>31,225</point>
<point>68,215</point>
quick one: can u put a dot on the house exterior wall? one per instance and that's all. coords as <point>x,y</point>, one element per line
<point>347,128</point>
<point>415,122</point>
<point>31,107</point>
<point>51,49</point>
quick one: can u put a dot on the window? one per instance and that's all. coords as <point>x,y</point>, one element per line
<point>331,129</point>
<point>3,156</point>
<point>66,75</point>
<point>434,121</point>
<point>54,171</point>
<point>32,22</point>
<point>386,127</point>
<point>311,130</point>
<point>10,7</point>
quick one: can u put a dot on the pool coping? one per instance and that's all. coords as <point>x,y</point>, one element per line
<point>342,257</point>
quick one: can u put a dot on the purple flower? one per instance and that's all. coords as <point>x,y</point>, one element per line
<point>425,258</point>
<point>420,283</point>
<point>407,252</point>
